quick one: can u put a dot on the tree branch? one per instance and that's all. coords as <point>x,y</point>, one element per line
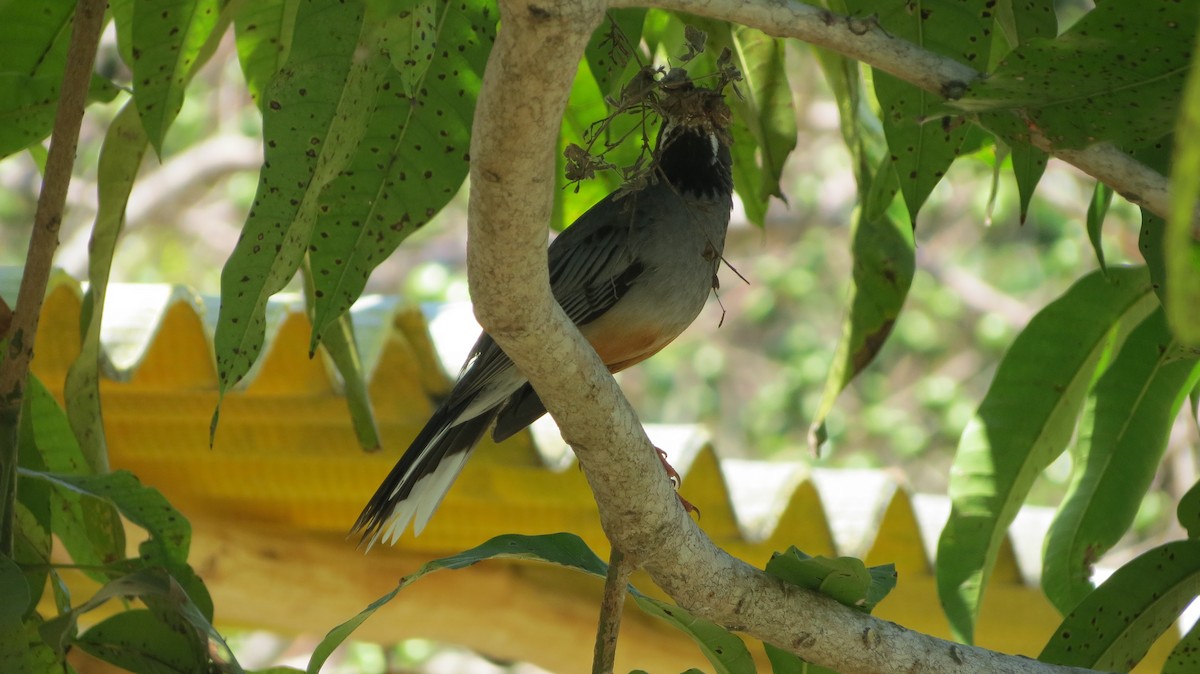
<point>515,132</point>
<point>863,40</point>
<point>21,333</point>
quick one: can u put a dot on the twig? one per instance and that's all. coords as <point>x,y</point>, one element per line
<point>619,570</point>
<point>81,54</point>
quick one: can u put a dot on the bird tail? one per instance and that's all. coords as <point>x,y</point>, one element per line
<point>420,479</point>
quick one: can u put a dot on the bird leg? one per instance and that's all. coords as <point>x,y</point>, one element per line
<point>676,482</point>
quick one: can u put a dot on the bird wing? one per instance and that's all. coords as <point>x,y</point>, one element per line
<point>600,270</point>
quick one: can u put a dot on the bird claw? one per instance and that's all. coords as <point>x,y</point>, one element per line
<point>676,482</point>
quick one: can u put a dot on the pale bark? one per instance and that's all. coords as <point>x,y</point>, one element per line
<point>516,126</point>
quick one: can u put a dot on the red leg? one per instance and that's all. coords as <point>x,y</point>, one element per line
<point>676,481</point>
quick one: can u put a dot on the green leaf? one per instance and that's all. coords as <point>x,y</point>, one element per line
<point>923,142</point>
<point>1150,243</point>
<point>170,533</point>
<point>1024,423</point>
<point>884,264</point>
<point>264,37</point>
<point>845,579</point>
<point>35,36</point>
<point>22,650</point>
<point>1115,75</point>
<point>28,104</point>
<point>121,155</point>
<point>314,116</point>
<point>31,550</point>
<point>339,343</point>
<point>90,529</point>
<point>1115,625</point>
<point>725,651</point>
<point>1098,208</point>
<point>586,106</point>
<point>15,590</point>
<point>1182,241</point>
<point>412,156</point>
<point>167,599</point>
<point>139,642</point>
<point>1185,657</point>
<point>1189,511</point>
<point>564,549</point>
<point>169,38</point>
<point>1018,22</point>
<point>608,53</point>
<point>1126,423</point>
<point>1028,163</point>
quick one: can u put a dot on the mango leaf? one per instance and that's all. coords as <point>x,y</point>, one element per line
<point>90,529</point>
<point>169,38</point>
<point>15,590</point>
<point>1115,75</point>
<point>28,104</point>
<point>1016,23</point>
<point>923,142</point>
<point>22,650</point>
<point>725,651</point>
<point>1182,240</point>
<point>264,37</point>
<point>1117,623</point>
<point>1025,422</point>
<point>169,602</point>
<point>412,156</point>
<point>1188,511</point>
<point>170,533</point>
<point>1185,657</point>
<point>586,106</point>
<point>1150,243</point>
<point>845,579</point>
<point>609,52</point>
<point>1098,208</point>
<point>1126,422</point>
<point>121,155</point>
<point>138,641</point>
<point>35,36</point>
<point>884,264</point>
<point>31,551</point>
<point>316,112</point>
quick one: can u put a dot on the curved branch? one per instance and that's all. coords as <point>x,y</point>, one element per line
<point>863,40</point>
<point>515,132</point>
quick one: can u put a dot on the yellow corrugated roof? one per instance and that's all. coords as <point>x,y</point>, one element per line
<point>272,499</point>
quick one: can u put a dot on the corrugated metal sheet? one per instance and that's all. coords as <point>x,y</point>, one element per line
<point>285,461</point>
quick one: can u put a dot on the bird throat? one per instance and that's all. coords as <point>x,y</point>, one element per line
<point>695,163</point>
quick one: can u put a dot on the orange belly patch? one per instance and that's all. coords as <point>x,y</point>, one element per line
<point>623,345</point>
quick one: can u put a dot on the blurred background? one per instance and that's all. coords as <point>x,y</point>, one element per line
<point>751,369</point>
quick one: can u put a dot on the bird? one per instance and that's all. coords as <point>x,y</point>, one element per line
<point>632,273</point>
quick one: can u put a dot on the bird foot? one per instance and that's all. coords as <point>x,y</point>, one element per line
<point>676,482</point>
